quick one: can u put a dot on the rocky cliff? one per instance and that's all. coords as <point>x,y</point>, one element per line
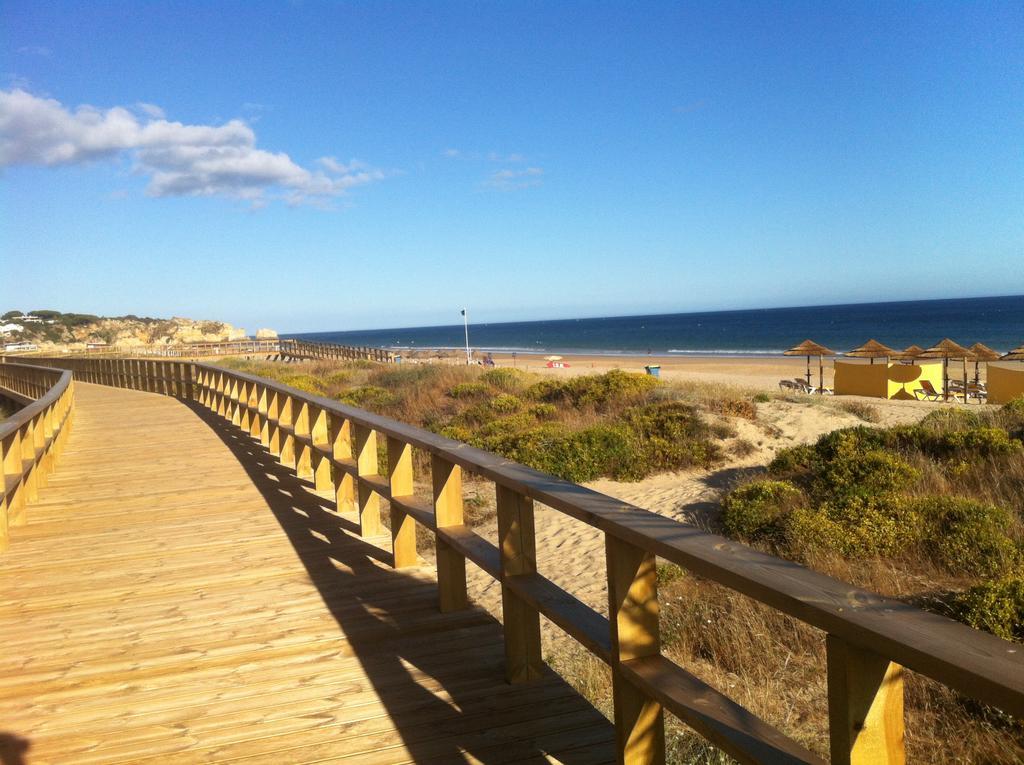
<point>51,329</point>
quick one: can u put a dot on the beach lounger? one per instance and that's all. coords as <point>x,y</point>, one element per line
<point>927,392</point>
<point>788,385</point>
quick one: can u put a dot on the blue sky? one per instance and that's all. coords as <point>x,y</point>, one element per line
<point>316,166</point>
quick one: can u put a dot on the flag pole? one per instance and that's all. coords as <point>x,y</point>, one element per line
<point>465,318</point>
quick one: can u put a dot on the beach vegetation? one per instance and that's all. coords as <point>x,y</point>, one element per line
<point>619,425</point>
<point>862,410</point>
<point>994,606</point>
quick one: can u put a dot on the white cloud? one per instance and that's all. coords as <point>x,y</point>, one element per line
<point>477,156</point>
<point>35,50</point>
<point>178,159</point>
<point>508,180</point>
<point>150,110</point>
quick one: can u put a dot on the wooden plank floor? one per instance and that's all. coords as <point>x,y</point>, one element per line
<point>177,596</point>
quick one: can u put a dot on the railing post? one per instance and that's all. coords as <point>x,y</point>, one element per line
<point>273,429</point>
<point>320,434</point>
<point>244,414</point>
<point>264,409</point>
<point>344,483</point>
<point>518,546</point>
<point>366,464</point>
<point>865,706</point>
<point>451,565</point>
<point>286,418</point>
<point>403,528</point>
<point>236,401</point>
<point>253,408</point>
<point>12,467</point>
<point>633,617</point>
<point>28,455</point>
<point>303,448</point>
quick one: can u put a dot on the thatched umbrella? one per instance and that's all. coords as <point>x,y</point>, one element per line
<point>981,353</point>
<point>1017,354</point>
<point>873,349</point>
<point>909,354</point>
<point>810,348</point>
<point>947,350</point>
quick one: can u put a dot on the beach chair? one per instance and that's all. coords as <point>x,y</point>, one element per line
<point>927,392</point>
<point>788,385</point>
<point>977,390</point>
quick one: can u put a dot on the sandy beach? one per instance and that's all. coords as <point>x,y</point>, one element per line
<point>748,372</point>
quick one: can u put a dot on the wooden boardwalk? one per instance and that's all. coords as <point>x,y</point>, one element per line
<point>178,596</point>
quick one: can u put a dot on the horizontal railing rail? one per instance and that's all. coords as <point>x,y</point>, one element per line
<point>304,349</point>
<point>870,639</point>
<point>184,350</point>
<point>32,437</point>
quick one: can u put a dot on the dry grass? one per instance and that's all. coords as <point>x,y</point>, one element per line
<point>774,666</point>
<point>865,411</point>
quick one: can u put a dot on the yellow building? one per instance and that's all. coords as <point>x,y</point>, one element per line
<point>881,380</point>
<point>1005,382</point>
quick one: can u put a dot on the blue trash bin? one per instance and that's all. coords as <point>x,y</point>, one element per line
<point>654,370</point>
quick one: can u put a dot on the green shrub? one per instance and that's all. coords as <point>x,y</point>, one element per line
<point>671,435</point>
<point>457,433</point>
<point>305,382</point>
<point>580,455</point>
<point>593,390</point>
<point>943,420</point>
<point>762,398</point>
<point>753,512</point>
<point>505,403</point>
<point>734,407</point>
<point>544,411</point>
<point>1011,416</point>
<point>862,410</point>
<point>796,463</point>
<point>504,378</point>
<point>1014,408</point>
<point>855,527</point>
<point>505,425</point>
<point>862,474</point>
<point>996,607</point>
<point>369,397</point>
<point>969,537</point>
<point>469,390</point>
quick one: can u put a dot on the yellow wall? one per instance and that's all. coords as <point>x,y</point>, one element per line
<point>860,379</point>
<point>904,379</point>
<point>881,380</point>
<point>1005,382</point>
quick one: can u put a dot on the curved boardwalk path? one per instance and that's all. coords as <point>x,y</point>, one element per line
<point>179,597</point>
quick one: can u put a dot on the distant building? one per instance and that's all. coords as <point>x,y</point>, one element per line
<point>12,347</point>
<point>5,328</point>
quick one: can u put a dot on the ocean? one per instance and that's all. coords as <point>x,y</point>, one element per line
<point>996,321</point>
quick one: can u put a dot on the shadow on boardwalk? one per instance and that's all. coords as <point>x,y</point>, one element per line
<point>392,626</point>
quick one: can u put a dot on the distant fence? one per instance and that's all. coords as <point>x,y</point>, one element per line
<point>186,350</point>
<point>302,349</point>
<point>870,639</point>
<point>286,349</point>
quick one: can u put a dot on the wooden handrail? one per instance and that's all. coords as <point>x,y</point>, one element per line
<point>305,349</point>
<point>32,437</point>
<point>870,639</point>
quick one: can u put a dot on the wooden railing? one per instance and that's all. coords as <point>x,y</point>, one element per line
<point>869,639</point>
<point>186,350</point>
<point>32,437</point>
<point>303,349</point>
